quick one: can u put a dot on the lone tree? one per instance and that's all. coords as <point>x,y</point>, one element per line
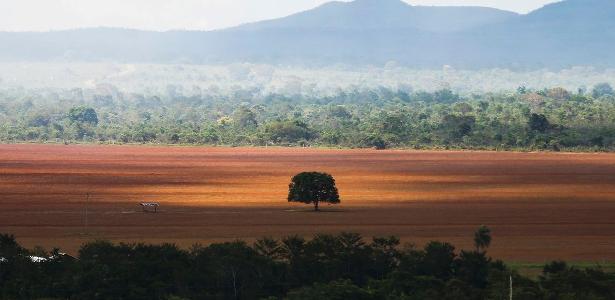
<point>313,187</point>
<point>482,238</point>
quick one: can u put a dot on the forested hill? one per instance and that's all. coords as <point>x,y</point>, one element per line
<point>363,32</point>
<point>386,14</point>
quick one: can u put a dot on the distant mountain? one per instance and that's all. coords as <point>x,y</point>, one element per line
<point>567,33</point>
<point>363,32</point>
<point>386,14</point>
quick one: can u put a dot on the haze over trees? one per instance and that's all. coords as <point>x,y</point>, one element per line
<point>603,89</point>
<point>402,76</point>
<point>247,80</point>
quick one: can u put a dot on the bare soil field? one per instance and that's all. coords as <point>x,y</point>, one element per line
<point>540,206</point>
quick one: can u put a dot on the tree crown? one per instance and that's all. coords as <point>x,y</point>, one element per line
<point>312,187</point>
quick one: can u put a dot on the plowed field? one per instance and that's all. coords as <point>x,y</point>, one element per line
<point>540,206</point>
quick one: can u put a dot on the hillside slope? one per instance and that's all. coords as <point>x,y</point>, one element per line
<point>363,32</point>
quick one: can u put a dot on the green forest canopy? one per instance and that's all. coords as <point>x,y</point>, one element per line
<point>548,119</point>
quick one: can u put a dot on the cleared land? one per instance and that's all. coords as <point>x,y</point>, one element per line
<point>541,206</point>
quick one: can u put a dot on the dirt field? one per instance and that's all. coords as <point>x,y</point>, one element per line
<point>540,206</point>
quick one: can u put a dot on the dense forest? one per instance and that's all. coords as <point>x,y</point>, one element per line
<point>342,266</point>
<point>548,119</point>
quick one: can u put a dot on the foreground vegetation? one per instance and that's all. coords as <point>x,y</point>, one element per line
<point>340,266</point>
<point>549,119</point>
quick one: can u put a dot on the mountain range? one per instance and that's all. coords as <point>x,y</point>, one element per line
<point>362,32</point>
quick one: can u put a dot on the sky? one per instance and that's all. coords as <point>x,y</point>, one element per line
<point>161,15</point>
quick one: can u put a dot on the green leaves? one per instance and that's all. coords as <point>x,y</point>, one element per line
<point>548,119</point>
<point>83,115</point>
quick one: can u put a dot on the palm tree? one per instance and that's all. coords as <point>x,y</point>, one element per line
<point>482,238</point>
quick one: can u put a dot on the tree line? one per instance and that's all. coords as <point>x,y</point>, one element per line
<point>549,119</point>
<point>342,266</point>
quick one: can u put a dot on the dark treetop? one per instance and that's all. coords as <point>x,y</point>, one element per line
<point>313,187</point>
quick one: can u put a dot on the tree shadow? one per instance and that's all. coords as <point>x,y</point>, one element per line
<point>323,211</point>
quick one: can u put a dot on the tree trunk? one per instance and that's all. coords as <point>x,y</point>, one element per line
<point>316,206</point>
<point>234,282</point>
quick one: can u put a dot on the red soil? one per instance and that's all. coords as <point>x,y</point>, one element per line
<point>540,206</point>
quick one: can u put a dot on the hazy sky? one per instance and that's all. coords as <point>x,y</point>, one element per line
<point>41,15</point>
